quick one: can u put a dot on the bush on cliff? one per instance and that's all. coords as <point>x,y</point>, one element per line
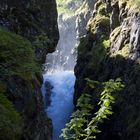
<point>84,125</point>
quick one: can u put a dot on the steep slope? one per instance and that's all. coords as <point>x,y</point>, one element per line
<point>110,50</point>
<point>28,31</point>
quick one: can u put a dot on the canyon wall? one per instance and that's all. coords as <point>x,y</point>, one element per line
<point>28,31</point>
<point>109,50</point>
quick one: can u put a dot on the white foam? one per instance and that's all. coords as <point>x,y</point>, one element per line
<point>61,99</point>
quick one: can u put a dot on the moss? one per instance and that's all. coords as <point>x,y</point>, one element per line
<point>98,53</point>
<point>16,55</point>
<point>99,21</point>
<point>102,9</point>
<point>10,121</point>
<point>68,7</point>
<point>43,42</point>
<point>137,2</point>
<point>103,20</point>
<point>94,55</point>
<point>106,43</point>
<point>115,33</point>
<point>124,51</point>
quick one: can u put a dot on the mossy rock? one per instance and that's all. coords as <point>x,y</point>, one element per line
<point>124,51</point>
<point>115,33</point>
<point>11,123</point>
<point>99,22</point>
<point>42,45</point>
<point>92,55</point>
<point>16,55</point>
<point>102,9</point>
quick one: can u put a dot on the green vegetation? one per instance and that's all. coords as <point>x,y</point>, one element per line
<point>137,2</point>
<point>101,21</point>
<point>124,51</point>
<point>42,41</point>
<point>106,43</point>
<point>68,6</point>
<point>10,121</point>
<point>102,9</point>
<point>97,53</point>
<point>16,55</point>
<point>84,125</point>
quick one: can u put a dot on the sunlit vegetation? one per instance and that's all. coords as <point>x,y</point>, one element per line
<point>83,124</point>
<point>106,43</point>
<point>137,2</point>
<point>68,6</point>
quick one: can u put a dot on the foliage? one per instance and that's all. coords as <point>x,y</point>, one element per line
<point>106,43</point>
<point>75,128</point>
<point>10,120</point>
<point>43,43</point>
<point>16,55</point>
<point>102,9</point>
<point>137,2</point>
<point>105,109</point>
<point>124,51</point>
<point>68,6</point>
<point>83,124</point>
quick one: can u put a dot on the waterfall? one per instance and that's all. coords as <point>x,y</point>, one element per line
<point>59,79</point>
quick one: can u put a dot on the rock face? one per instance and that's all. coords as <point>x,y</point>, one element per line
<point>110,50</point>
<point>83,14</point>
<point>28,31</point>
<point>31,18</point>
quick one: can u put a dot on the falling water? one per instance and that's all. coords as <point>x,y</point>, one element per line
<point>59,79</point>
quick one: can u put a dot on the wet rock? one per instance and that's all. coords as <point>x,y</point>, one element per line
<point>49,88</point>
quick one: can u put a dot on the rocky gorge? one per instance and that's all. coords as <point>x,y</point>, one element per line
<point>108,35</point>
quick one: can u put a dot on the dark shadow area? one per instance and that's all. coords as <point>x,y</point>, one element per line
<point>125,122</point>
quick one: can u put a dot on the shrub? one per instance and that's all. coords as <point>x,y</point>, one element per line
<point>83,124</point>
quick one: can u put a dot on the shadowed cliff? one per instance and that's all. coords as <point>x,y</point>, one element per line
<point>28,31</point>
<point>110,50</point>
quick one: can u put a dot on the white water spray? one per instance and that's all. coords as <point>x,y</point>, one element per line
<point>60,75</point>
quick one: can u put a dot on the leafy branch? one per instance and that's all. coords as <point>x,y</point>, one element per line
<point>85,125</point>
<point>105,110</point>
